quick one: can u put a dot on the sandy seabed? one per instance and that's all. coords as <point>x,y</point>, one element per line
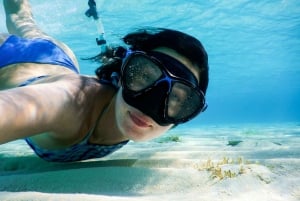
<point>211,163</point>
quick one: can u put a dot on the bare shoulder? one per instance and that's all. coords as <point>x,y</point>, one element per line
<point>85,101</point>
<point>77,83</point>
<point>83,91</point>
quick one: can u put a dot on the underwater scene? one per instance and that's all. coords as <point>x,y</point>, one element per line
<point>245,146</point>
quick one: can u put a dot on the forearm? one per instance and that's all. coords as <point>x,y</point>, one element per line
<point>19,115</point>
<point>27,111</point>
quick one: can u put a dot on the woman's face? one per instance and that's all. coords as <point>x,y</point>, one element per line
<point>134,124</point>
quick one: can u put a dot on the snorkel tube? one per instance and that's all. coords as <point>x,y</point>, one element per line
<point>92,12</point>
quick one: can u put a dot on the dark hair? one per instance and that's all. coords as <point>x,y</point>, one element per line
<point>149,38</point>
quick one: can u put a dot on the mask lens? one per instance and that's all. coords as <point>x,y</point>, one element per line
<point>140,72</point>
<point>183,101</point>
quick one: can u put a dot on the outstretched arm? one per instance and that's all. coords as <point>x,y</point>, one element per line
<point>58,106</point>
<point>31,110</point>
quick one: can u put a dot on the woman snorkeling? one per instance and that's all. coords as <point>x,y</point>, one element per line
<point>140,92</point>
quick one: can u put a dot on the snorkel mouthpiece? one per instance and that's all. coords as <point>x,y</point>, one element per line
<point>92,11</point>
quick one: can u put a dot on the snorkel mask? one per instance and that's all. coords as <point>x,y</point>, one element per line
<point>161,87</point>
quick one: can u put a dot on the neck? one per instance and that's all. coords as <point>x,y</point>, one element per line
<point>106,130</point>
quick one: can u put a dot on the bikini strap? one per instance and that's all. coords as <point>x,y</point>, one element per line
<point>91,131</point>
<point>29,81</point>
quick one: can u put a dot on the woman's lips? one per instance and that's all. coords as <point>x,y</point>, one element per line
<point>139,120</point>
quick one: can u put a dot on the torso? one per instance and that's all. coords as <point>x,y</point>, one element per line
<point>88,102</point>
<point>96,103</point>
<point>95,97</point>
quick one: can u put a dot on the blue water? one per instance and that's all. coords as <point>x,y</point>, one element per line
<point>253,47</point>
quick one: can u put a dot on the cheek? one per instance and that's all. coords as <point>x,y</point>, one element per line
<point>120,110</point>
